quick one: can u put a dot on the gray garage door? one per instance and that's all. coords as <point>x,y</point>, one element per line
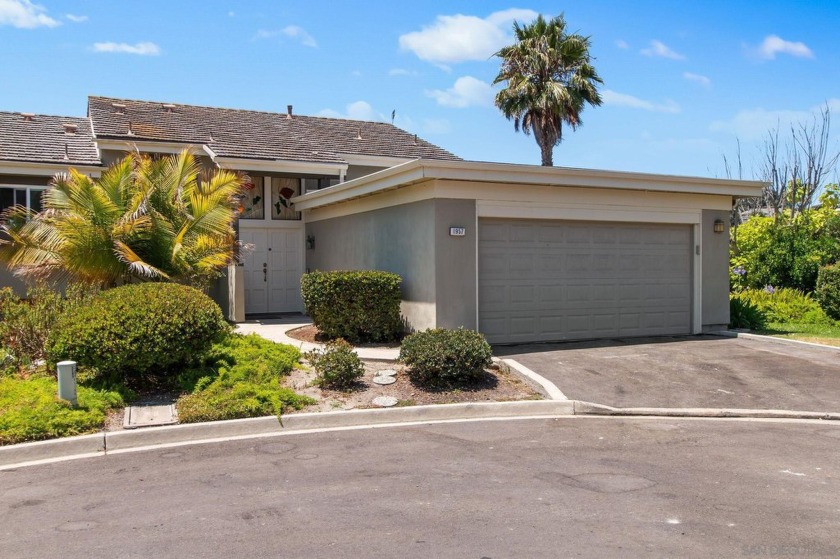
<point>566,280</point>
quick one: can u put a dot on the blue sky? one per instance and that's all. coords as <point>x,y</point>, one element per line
<point>682,80</point>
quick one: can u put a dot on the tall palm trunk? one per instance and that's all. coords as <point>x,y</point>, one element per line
<point>547,151</point>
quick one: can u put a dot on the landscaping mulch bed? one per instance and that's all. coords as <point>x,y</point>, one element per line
<point>311,334</point>
<point>496,386</point>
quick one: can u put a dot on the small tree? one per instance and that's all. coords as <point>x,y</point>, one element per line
<point>148,219</point>
<point>550,79</point>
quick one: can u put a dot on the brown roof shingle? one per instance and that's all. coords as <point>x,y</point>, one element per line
<point>255,134</point>
<point>43,139</point>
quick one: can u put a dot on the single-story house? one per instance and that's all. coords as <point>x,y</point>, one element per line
<point>520,252</point>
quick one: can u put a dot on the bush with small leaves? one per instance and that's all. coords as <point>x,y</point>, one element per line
<point>138,331</point>
<point>442,357</point>
<point>337,365</point>
<point>25,323</point>
<point>359,306</point>
<point>828,290</point>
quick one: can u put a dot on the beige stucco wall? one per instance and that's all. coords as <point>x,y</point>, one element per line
<point>715,271</point>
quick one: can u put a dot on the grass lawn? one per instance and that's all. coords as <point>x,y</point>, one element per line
<point>814,333</point>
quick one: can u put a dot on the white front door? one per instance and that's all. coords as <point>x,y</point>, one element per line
<point>273,269</point>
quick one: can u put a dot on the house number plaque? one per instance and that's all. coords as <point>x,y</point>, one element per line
<point>457,231</point>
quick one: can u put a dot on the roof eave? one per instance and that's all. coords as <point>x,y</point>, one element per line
<point>426,169</point>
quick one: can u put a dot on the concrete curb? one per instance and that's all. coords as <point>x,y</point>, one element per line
<point>122,441</point>
<point>536,381</point>
<point>83,445</point>
<point>588,408</point>
<point>772,339</point>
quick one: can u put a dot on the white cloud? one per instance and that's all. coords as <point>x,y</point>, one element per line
<point>76,19</point>
<point>300,34</point>
<point>401,72</point>
<point>702,80</point>
<point>466,92</point>
<point>622,44</point>
<point>25,15</point>
<point>231,14</point>
<point>142,49</point>
<point>359,110</point>
<point>773,45</point>
<point>436,126</point>
<point>356,73</point>
<point>458,37</point>
<point>623,100</point>
<point>753,124</point>
<point>266,33</point>
<point>658,48</point>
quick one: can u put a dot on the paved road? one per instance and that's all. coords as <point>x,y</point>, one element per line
<point>582,487</point>
<point>689,371</point>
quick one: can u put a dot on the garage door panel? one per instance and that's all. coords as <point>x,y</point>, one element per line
<point>553,280</point>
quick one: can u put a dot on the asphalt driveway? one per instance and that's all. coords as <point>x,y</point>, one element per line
<point>689,371</point>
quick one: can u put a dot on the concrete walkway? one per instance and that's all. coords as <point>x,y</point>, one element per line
<point>275,329</point>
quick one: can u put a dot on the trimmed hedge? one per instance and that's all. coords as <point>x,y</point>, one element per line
<point>828,290</point>
<point>147,329</point>
<point>359,306</point>
<point>441,357</point>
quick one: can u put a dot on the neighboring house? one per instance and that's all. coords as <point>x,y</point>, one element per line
<point>520,252</point>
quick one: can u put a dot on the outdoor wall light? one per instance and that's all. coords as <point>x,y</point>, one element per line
<point>310,242</point>
<point>719,226</point>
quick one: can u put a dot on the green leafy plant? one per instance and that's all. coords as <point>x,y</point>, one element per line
<point>442,357</point>
<point>337,365</point>
<point>743,314</point>
<point>25,323</point>
<point>139,331</point>
<point>30,410</point>
<point>359,306</point>
<point>240,377</point>
<point>784,305</point>
<point>145,218</point>
<point>828,290</point>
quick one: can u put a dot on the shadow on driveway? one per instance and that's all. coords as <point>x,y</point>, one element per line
<point>688,372</point>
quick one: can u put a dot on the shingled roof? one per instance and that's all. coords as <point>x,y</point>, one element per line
<point>46,139</point>
<point>255,134</point>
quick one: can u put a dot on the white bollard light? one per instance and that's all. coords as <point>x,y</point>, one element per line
<point>67,382</point>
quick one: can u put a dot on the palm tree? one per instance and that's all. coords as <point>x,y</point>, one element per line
<point>549,79</point>
<point>147,219</point>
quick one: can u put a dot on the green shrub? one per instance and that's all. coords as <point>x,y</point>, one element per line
<point>26,323</point>
<point>337,365</point>
<point>240,377</point>
<point>785,305</point>
<point>139,330</point>
<point>360,306</point>
<point>30,410</point>
<point>828,290</point>
<point>443,357</point>
<point>787,252</point>
<point>743,314</point>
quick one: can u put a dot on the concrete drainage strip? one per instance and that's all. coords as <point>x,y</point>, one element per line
<point>556,405</point>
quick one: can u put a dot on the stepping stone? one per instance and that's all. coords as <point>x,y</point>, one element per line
<point>387,373</point>
<point>149,416</point>
<point>385,401</point>
<point>383,380</point>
